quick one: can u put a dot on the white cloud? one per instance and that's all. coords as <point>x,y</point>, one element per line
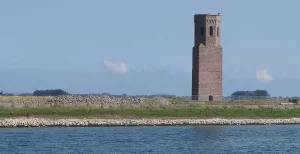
<point>264,76</point>
<point>116,66</point>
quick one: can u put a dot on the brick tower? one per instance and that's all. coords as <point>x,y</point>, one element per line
<point>207,58</point>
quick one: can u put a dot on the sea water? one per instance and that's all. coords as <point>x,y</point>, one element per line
<point>164,139</point>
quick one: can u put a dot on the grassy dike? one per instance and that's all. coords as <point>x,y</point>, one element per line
<point>202,113</point>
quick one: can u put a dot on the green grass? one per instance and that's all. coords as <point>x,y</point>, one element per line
<point>152,112</point>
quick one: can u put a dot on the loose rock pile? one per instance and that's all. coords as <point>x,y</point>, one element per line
<point>95,100</point>
<point>85,101</point>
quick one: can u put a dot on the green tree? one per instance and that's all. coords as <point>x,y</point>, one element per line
<point>259,94</point>
<point>50,92</point>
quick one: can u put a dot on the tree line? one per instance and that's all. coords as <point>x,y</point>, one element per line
<point>50,92</point>
<point>251,93</point>
<point>257,94</point>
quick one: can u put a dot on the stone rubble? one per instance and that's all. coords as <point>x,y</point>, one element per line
<point>48,122</point>
<point>85,101</point>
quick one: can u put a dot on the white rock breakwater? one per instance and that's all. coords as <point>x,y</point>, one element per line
<point>48,122</point>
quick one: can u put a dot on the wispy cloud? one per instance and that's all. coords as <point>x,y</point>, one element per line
<point>119,67</point>
<point>264,76</point>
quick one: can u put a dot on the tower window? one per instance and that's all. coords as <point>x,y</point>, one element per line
<point>211,33</point>
<point>202,31</point>
<point>218,31</point>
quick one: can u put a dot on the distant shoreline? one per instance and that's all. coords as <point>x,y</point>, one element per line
<point>68,122</point>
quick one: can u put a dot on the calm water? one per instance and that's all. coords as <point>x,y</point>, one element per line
<point>183,139</point>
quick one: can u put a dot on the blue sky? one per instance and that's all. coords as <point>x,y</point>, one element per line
<point>144,47</point>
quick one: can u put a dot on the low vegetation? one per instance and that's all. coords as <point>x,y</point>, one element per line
<point>151,112</point>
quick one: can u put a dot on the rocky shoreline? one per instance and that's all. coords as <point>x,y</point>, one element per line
<point>48,122</point>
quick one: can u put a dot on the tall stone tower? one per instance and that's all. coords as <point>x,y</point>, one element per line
<point>207,58</point>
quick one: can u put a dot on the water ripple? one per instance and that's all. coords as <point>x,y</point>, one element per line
<point>182,139</point>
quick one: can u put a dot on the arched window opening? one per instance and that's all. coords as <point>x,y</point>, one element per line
<point>218,31</point>
<point>202,31</point>
<point>211,31</point>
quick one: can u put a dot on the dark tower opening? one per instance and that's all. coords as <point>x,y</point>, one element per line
<point>211,31</point>
<point>210,98</point>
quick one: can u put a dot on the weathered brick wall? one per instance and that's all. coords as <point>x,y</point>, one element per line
<point>207,73</point>
<point>210,71</point>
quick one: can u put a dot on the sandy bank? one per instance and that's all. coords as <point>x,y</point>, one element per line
<point>44,122</point>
